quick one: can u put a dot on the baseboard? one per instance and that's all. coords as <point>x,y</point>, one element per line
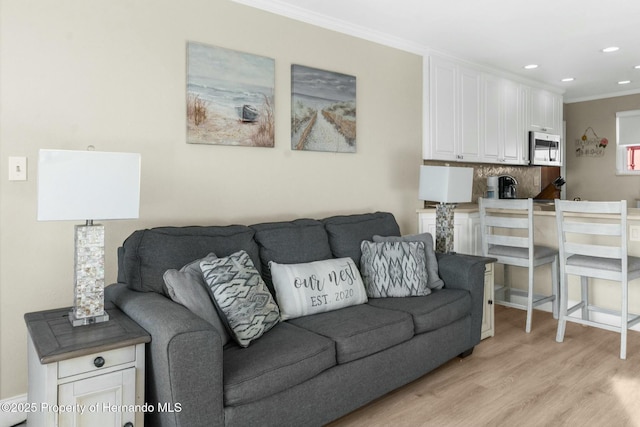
<point>9,415</point>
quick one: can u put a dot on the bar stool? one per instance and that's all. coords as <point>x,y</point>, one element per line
<point>498,223</point>
<point>587,249</point>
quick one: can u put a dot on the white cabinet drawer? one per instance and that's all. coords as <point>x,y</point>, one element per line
<point>92,362</point>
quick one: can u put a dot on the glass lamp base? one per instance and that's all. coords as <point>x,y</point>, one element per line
<point>81,321</point>
<point>88,304</point>
<point>444,228</point>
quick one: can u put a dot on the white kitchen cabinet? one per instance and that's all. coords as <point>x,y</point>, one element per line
<point>466,240</point>
<point>92,375</point>
<point>454,100</point>
<point>466,230</point>
<point>476,116</point>
<point>504,137</point>
<point>545,111</point>
<point>516,144</point>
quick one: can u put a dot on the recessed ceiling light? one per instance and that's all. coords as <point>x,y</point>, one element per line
<point>610,49</point>
<point>568,79</point>
<point>624,82</point>
<point>530,66</point>
<point>637,67</point>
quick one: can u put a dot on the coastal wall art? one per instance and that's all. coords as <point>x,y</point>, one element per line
<point>230,97</point>
<point>323,110</point>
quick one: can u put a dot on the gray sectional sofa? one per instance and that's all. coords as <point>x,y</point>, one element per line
<point>305,371</point>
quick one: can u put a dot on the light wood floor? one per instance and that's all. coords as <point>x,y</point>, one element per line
<point>519,379</point>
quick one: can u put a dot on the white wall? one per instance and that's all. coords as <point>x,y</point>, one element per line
<point>111,73</point>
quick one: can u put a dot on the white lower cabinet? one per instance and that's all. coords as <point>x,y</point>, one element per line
<point>466,240</point>
<point>108,392</point>
<point>487,313</point>
<point>85,376</point>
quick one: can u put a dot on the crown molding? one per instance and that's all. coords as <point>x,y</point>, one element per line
<point>330,23</point>
<point>602,96</point>
<point>299,14</point>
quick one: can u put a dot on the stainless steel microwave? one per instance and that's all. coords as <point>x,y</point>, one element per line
<point>544,149</point>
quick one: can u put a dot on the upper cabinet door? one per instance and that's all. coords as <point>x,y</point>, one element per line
<point>504,132</point>
<point>469,114</point>
<point>492,109</point>
<point>546,111</point>
<point>514,132</point>
<point>454,127</point>
<point>442,110</point>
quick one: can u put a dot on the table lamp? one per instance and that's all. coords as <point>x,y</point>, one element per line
<point>446,185</point>
<point>88,185</point>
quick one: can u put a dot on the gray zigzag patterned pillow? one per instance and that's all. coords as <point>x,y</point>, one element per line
<point>394,269</point>
<point>240,296</point>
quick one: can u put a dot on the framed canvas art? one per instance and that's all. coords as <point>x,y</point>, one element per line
<point>229,97</point>
<point>323,110</point>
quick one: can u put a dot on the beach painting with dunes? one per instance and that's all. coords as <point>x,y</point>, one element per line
<point>323,110</point>
<point>230,97</point>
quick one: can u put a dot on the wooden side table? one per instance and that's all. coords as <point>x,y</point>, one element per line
<point>89,375</point>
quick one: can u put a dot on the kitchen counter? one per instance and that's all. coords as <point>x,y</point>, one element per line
<point>540,209</point>
<point>603,293</point>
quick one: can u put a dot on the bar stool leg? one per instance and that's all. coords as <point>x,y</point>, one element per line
<point>555,284</point>
<point>624,320</point>
<point>584,291</point>
<point>564,301</point>
<point>530,299</point>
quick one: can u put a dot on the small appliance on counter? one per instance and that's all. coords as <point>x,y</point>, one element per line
<point>507,187</point>
<point>551,191</point>
<point>492,187</point>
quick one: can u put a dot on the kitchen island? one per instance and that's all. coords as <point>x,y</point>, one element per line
<point>603,293</point>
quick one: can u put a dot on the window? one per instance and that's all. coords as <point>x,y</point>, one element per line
<point>628,142</point>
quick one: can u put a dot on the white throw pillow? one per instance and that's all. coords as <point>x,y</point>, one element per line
<point>316,287</point>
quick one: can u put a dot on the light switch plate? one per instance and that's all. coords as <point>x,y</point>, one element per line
<point>634,233</point>
<point>17,168</point>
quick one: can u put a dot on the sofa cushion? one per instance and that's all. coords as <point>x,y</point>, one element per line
<point>316,287</point>
<point>242,299</point>
<point>284,357</point>
<point>147,254</point>
<point>346,232</point>
<point>291,242</point>
<point>394,269</point>
<point>359,331</point>
<point>433,277</point>
<point>442,307</point>
<point>188,288</point>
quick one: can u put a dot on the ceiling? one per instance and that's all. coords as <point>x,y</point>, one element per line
<point>564,37</point>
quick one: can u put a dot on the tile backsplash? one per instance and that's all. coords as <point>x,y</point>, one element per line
<point>528,177</point>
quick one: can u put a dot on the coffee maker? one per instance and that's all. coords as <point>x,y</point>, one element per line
<point>507,187</point>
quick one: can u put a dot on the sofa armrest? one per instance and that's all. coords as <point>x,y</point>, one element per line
<point>184,362</point>
<point>457,270</point>
<point>466,272</point>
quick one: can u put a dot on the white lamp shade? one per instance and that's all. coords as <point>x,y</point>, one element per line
<point>88,185</point>
<point>628,127</point>
<point>445,184</point>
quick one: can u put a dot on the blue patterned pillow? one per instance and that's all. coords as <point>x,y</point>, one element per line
<point>394,269</point>
<point>240,296</point>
